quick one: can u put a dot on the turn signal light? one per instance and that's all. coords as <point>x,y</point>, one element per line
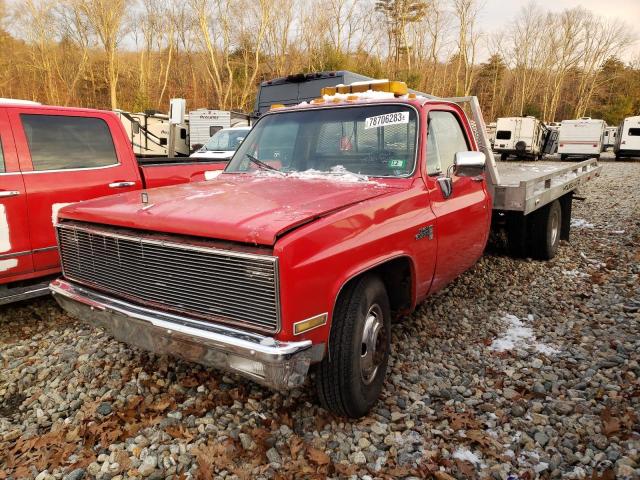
<point>276,106</point>
<point>309,324</point>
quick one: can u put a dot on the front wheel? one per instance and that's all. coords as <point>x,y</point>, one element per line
<point>350,378</point>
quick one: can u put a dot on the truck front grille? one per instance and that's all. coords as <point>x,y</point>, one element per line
<point>201,281</point>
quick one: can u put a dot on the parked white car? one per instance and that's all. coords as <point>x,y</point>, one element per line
<point>223,144</point>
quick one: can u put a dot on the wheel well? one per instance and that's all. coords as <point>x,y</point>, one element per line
<point>396,274</point>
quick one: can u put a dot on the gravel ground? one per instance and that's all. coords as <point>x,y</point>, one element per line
<point>520,369</point>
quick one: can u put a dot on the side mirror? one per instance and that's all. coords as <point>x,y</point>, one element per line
<point>469,164</point>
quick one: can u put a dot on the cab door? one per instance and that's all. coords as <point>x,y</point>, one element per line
<point>15,244</point>
<point>67,156</point>
<point>461,204</point>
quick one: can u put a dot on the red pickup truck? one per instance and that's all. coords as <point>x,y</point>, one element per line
<point>331,220</point>
<point>53,156</point>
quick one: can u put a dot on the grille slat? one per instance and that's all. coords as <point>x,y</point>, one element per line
<point>206,282</point>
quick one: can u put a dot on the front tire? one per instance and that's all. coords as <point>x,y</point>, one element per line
<point>351,376</point>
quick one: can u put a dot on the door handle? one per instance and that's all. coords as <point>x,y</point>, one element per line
<point>9,193</point>
<point>121,184</point>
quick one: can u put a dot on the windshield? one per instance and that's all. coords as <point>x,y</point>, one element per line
<point>226,140</point>
<point>372,140</point>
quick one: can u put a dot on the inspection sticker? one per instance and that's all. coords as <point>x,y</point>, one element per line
<point>386,119</point>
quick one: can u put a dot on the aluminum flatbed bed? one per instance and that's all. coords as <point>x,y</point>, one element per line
<point>525,187</point>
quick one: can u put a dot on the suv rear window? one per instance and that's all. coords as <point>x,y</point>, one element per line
<point>503,135</point>
<point>634,132</point>
<point>58,142</point>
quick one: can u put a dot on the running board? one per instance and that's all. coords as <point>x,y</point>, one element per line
<point>16,294</point>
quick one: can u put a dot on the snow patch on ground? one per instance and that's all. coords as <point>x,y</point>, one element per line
<point>580,223</point>
<point>466,455</point>
<point>519,335</point>
<point>574,273</point>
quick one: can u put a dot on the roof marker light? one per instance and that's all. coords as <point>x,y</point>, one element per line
<point>391,86</point>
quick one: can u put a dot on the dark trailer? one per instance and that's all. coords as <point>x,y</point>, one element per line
<point>301,87</point>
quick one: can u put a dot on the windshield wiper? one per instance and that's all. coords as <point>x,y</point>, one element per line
<point>263,165</point>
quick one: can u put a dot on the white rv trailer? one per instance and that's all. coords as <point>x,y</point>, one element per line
<point>149,134</point>
<point>203,124</point>
<point>581,138</point>
<point>628,138</point>
<point>520,136</point>
<point>609,139</point>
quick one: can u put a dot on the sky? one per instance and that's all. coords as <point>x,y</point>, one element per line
<point>497,13</point>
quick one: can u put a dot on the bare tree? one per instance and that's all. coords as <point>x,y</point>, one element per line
<point>529,50</point>
<point>398,14</point>
<point>602,41</point>
<point>107,17</point>
<point>466,12</point>
<point>566,50</point>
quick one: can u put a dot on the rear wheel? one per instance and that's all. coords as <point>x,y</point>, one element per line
<point>563,157</point>
<point>546,225</point>
<point>350,378</point>
<point>504,157</point>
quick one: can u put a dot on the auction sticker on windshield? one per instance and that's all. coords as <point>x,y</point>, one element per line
<point>386,119</point>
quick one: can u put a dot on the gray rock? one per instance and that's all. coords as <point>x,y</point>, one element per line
<point>541,438</point>
<point>76,474</point>
<point>273,456</point>
<point>104,409</point>
<point>148,466</point>
<point>359,458</point>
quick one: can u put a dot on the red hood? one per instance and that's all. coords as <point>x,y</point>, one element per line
<point>240,208</point>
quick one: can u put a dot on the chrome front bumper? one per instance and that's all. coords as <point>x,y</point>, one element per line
<point>279,365</point>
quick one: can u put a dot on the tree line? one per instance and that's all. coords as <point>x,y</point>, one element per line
<point>136,54</point>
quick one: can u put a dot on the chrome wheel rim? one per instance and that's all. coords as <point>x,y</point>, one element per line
<point>372,346</point>
<point>555,228</point>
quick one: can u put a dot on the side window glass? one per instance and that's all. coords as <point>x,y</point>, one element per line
<point>57,142</point>
<point>433,156</point>
<point>2,167</point>
<point>448,136</point>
